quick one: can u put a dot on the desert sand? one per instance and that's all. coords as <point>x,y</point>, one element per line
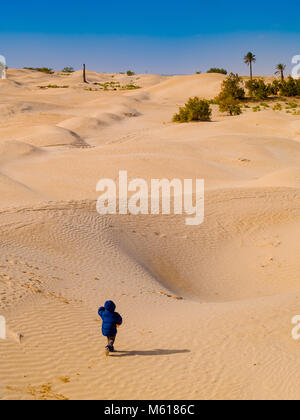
<point>207,309</point>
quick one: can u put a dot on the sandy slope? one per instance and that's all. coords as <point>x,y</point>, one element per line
<point>207,309</point>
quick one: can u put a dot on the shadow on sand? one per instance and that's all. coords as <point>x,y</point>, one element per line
<point>157,352</point>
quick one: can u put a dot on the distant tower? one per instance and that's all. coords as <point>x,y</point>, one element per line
<point>2,67</point>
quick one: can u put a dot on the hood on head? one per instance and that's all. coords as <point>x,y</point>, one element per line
<point>110,306</point>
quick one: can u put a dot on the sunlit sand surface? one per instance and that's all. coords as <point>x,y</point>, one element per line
<point>207,309</point>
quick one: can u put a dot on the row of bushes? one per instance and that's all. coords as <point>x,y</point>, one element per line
<point>231,95</point>
<point>47,70</point>
<point>40,69</point>
<point>259,89</point>
<point>67,70</point>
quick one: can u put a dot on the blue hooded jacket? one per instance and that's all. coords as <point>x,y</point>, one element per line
<point>110,319</point>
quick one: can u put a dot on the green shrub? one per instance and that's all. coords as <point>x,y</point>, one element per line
<point>194,110</point>
<point>130,73</point>
<point>277,107</point>
<point>41,69</point>
<point>232,86</point>
<point>292,105</point>
<point>256,109</point>
<point>264,105</point>
<point>111,85</point>
<point>53,87</point>
<point>130,87</point>
<point>258,89</point>
<point>216,70</point>
<point>68,69</point>
<point>231,92</point>
<point>198,72</point>
<point>274,87</point>
<point>230,105</point>
<point>290,87</point>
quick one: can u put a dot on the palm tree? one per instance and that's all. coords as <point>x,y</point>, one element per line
<point>249,59</point>
<point>280,70</point>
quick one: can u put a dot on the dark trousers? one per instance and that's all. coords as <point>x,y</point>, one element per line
<point>111,341</point>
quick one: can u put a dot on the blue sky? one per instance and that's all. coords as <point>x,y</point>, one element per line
<point>163,37</point>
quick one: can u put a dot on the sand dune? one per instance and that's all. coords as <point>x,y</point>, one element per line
<point>12,149</point>
<point>180,88</point>
<point>48,135</point>
<point>207,309</point>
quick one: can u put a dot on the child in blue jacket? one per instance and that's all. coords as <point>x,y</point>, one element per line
<point>110,321</point>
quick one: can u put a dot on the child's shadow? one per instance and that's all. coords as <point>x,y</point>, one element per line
<point>157,352</point>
